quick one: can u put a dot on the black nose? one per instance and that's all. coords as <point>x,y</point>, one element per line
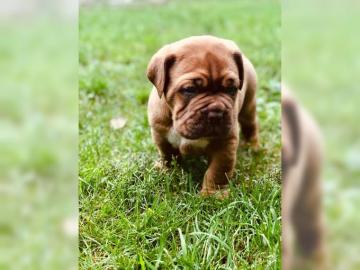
<point>215,115</point>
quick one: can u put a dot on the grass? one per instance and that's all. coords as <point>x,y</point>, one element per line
<point>135,217</point>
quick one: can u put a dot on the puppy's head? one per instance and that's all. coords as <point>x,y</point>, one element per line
<point>199,77</point>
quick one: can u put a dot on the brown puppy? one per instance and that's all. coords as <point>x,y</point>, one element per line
<point>204,87</point>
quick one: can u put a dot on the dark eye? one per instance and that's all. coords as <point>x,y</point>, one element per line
<point>231,90</point>
<point>189,91</point>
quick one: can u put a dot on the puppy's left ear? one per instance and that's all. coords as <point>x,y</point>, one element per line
<point>240,66</point>
<point>158,70</point>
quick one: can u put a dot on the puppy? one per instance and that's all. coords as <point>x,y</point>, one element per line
<point>302,220</point>
<point>203,94</point>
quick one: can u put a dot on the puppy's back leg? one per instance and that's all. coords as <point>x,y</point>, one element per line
<point>247,116</point>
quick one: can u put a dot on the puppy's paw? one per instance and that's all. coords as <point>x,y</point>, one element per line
<point>220,194</point>
<point>164,164</point>
<point>255,144</point>
<point>161,165</point>
<point>252,143</point>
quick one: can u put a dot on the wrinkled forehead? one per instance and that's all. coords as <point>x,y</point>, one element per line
<point>209,61</point>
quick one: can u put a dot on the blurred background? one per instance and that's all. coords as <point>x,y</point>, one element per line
<point>38,138</point>
<point>321,65</point>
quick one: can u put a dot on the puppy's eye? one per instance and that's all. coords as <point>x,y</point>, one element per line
<point>189,91</point>
<point>231,90</point>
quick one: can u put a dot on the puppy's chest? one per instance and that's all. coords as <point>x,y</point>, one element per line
<point>186,146</point>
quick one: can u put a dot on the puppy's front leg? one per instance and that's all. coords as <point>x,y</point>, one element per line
<point>166,150</point>
<point>222,161</point>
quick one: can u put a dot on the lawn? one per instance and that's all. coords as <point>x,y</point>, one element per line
<point>133,216</point>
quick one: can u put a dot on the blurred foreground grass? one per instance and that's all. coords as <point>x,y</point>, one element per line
<point>38,143</point>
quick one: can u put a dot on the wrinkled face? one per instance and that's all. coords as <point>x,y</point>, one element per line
<point>200,78</point>
<point>202,91</point>
<point>202,96</point>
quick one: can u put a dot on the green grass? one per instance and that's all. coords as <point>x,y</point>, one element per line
<point>133,216</point>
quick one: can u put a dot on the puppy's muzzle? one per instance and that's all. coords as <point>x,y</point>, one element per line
<point>214,113</point>
<point>213,120</point>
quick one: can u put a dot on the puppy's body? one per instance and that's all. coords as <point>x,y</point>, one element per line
<point>203,94</point>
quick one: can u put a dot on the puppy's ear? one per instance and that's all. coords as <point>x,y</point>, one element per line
<point>158,70</point>
<point>240,66</point>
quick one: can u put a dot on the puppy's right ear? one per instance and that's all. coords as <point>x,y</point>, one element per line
<point>240,66</point>
<point>158,70</point>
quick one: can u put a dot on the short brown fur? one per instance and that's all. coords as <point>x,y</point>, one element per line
<point>212,66</point>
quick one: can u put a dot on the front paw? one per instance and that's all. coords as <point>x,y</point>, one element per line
<point>252,142</point>
<point>161,165</point>
<point>220,193</point>
<point>167,163</point>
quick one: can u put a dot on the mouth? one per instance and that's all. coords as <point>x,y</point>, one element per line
<point>209,122</point>
<point>208,132</point>
<point>191,135</point>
